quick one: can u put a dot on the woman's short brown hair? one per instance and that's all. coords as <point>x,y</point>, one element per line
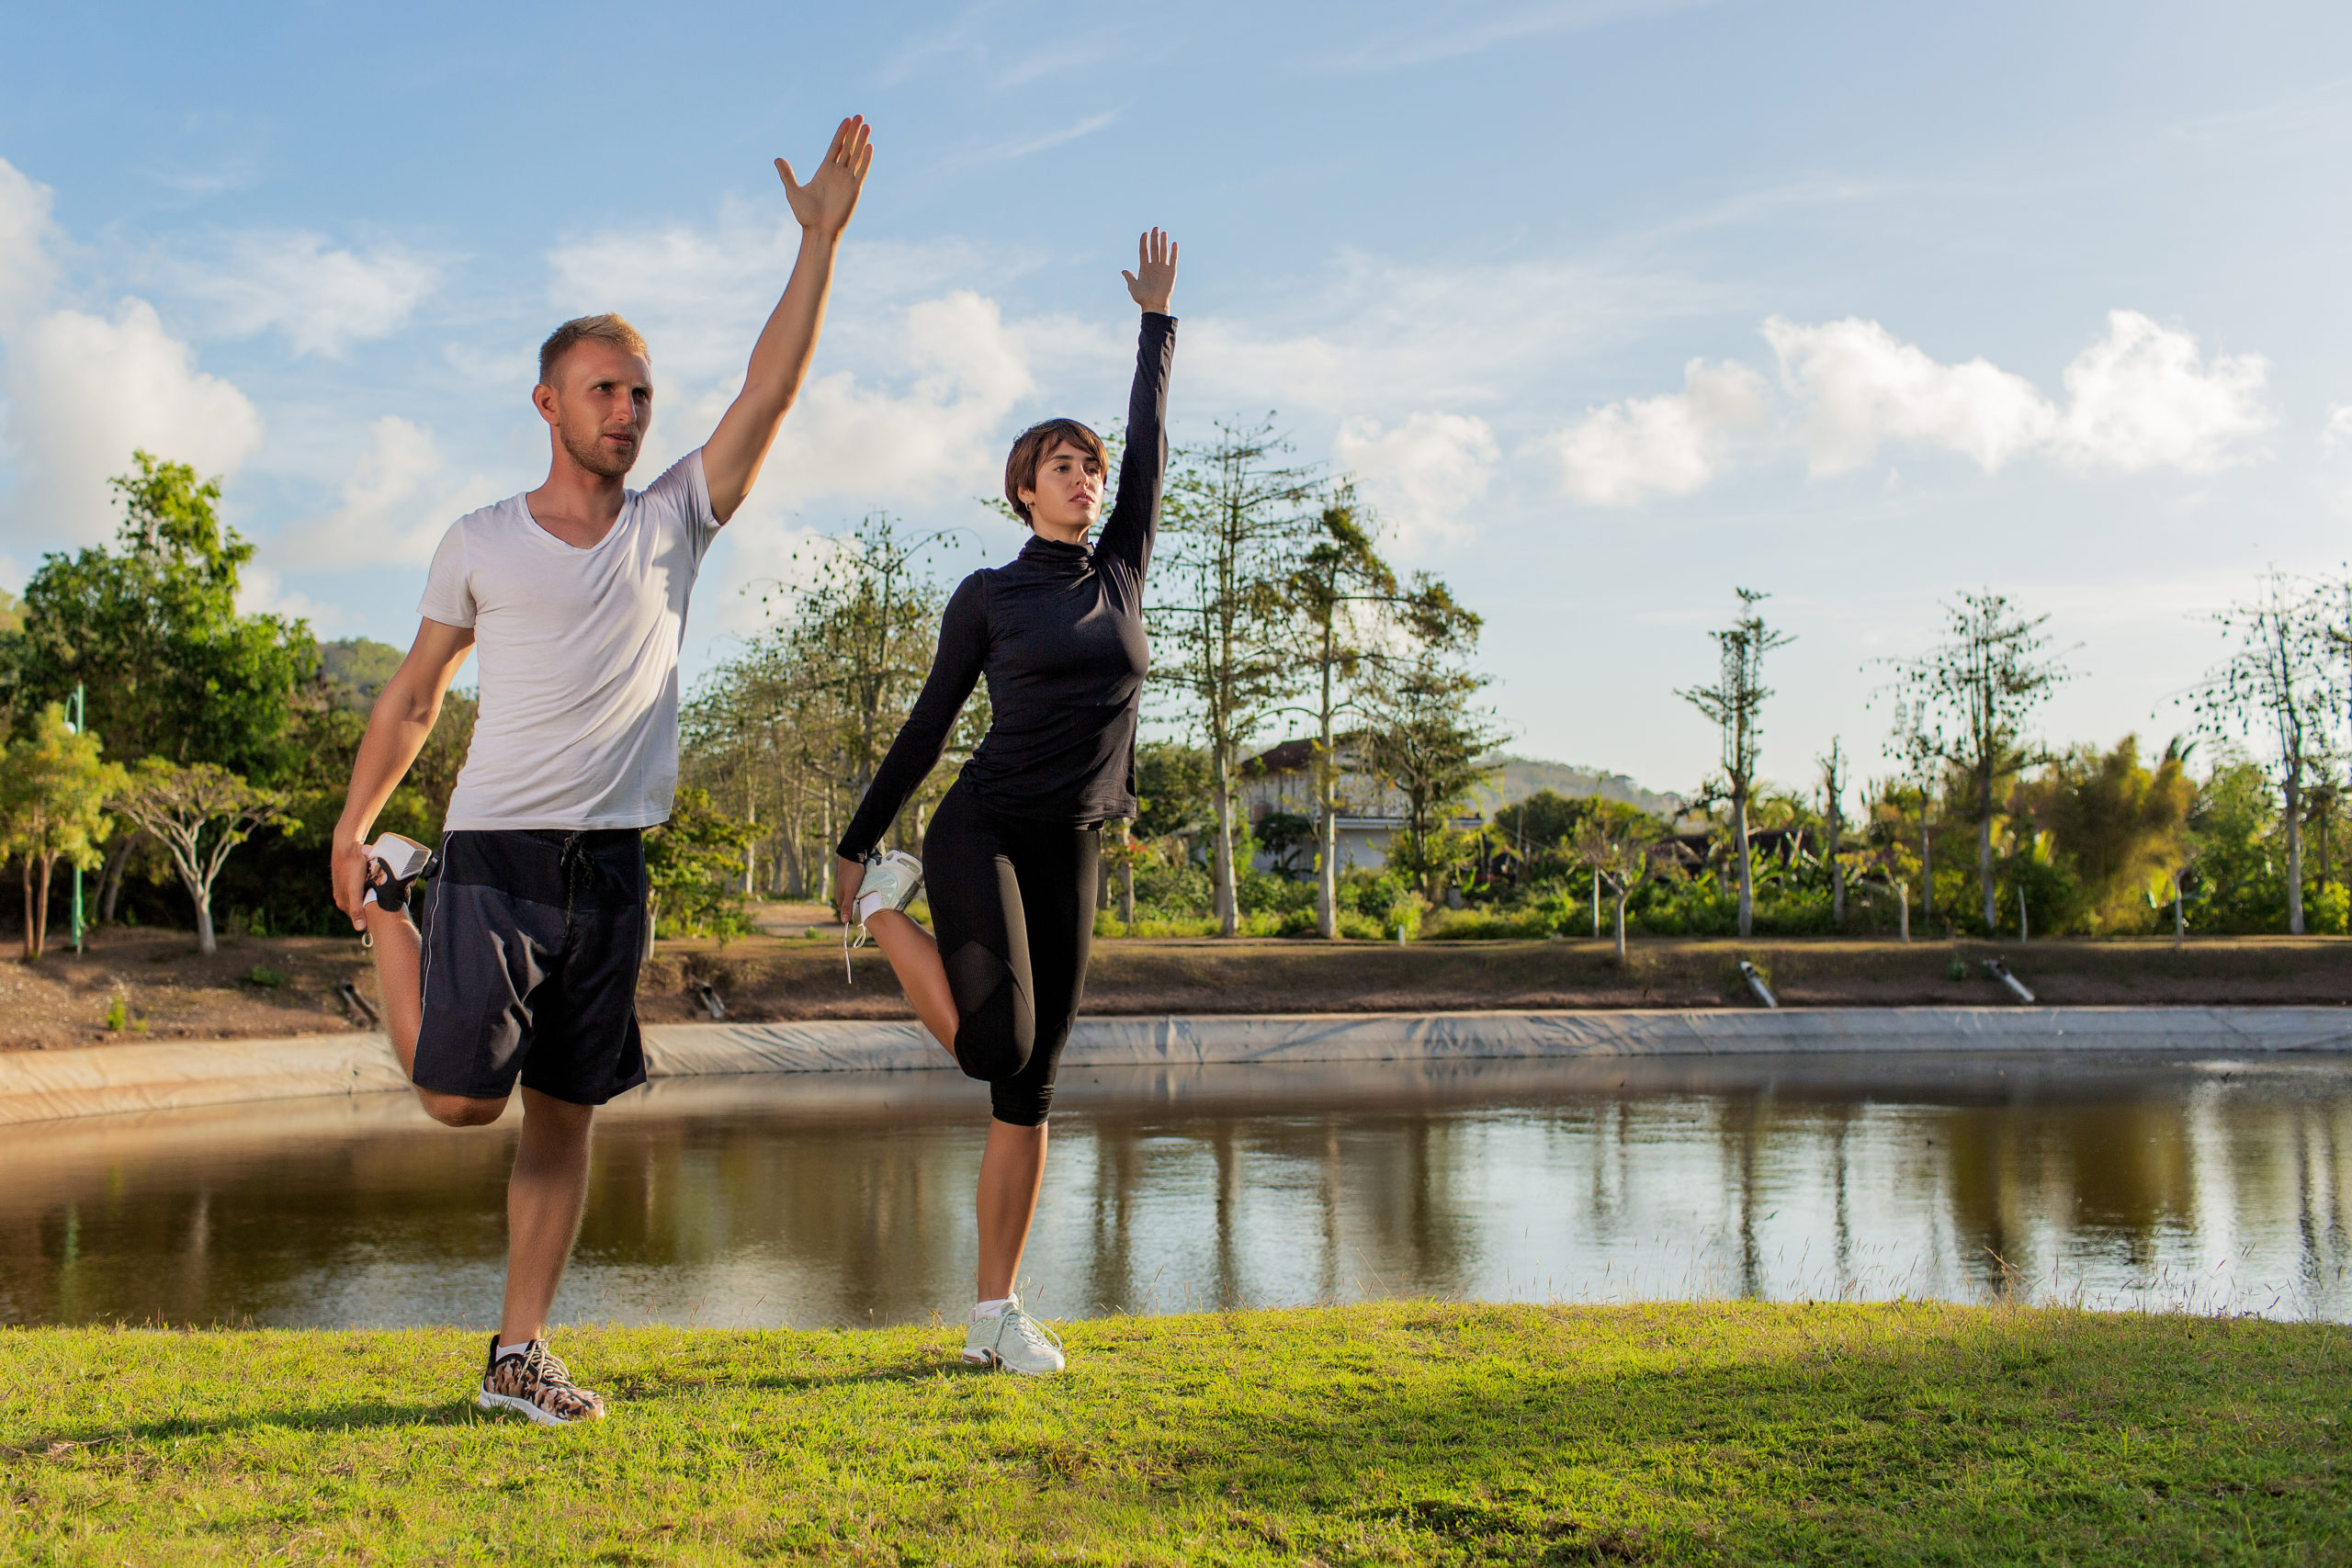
<point>1030,448</point>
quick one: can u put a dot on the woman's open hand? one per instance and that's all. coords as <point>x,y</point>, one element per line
<point>1154,279</point>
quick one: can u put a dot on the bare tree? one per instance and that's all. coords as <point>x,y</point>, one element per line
<point>1970,697</point>
<point>2279,683</point>
<point>1735,703</point>
<point>1235,526</point>
<point>1833,794</point>
<point>198,813</point>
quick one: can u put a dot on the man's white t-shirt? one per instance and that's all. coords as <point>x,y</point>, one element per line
<point>577,657</point>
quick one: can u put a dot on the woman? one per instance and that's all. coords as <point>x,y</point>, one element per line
<point>1011,857</point>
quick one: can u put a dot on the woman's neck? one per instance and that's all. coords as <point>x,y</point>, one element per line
<point>1062,533</point>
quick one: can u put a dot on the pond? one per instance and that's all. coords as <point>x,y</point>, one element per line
<point>845,1199</point>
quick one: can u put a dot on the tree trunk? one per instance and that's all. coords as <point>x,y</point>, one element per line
<point>1228,905</point>
<point>31,950</point>
<point>1903,893</point>
<point>1836,877</point>
<point>2294,848</point>
<point>1985,865</point>
<point>1326,877</point>
<point>2025,932</point>
<point>1926,870</point>
<point>1746,867</point>
<point>1622,896</point>
<point>1596,905</point>
<point>40,933</point>
<point>2180,924</point>
<point>111,886</point>
<point>206,942</point>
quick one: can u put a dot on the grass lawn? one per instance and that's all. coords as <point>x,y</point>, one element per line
<point>1396,1432</point>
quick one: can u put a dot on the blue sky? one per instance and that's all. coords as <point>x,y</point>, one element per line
<point>1610,306</point>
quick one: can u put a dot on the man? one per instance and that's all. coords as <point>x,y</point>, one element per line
<point>574,596</point>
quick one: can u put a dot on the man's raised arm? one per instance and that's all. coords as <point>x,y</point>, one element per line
<point>731,459</point>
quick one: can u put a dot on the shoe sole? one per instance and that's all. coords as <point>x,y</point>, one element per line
<point>494,1402</point>
<point>990,1359</point>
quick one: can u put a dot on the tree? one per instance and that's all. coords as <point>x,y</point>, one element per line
<point>1885,854</point>
<point>2116,825</point>
<point>1351,606</point>
<point>1426,740</point>
<point>1234,526</point>
<point>1832,815</point>
<point>1619,854</point>
<point>2279,684</point>
<point>180,806</point>
<point>151,629</point>
<point>1970,697</point>
<point>1735,703</point>
<point>53,790</point>
<point>691,863</point>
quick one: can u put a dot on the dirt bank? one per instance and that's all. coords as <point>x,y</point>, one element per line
<point>275,987</point>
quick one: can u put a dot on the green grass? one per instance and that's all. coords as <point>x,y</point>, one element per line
<point>1388,1433</point>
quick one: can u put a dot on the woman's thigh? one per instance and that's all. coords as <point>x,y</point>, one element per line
<point>977,916</point>
<point>1056,869</point>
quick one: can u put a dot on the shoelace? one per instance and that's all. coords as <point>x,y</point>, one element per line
<point>542,1368</point>
<point>1034,1334</point>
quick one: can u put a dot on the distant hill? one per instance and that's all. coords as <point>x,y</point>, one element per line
<point>1523,776</point>
<point>358,666</point>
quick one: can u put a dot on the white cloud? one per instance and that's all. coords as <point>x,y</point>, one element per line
<point>2337,432</point>
<point>1451,35</point>
<point>322,300</point>
<point>1423,478</point>
<point>83,390</point>
<point>930,432</point>
<point>1857,386</point>
<point>27,243</point>
<point>2144,397</point>
<point>397,503</point>
<point>263,592</point>
<point>1377,339</point>
<point>1670,444</point>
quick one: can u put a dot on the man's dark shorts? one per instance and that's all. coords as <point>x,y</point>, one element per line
<point>532,942</point>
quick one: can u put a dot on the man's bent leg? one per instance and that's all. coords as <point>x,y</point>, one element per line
<point>544,1200</point>
<point>399,981</point>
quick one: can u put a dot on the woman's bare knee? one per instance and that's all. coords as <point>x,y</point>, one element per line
<point>460,1111</point>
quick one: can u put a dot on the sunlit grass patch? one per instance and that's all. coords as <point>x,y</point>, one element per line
<point>1385,1433</point>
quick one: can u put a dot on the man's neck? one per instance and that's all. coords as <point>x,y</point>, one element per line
<point>577,506</point>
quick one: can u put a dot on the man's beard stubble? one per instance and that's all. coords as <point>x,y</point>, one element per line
<point>594,455</point>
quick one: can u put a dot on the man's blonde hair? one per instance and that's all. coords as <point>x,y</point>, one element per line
<point>607,328</point>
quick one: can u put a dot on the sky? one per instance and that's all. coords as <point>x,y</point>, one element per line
<point>1608,307</point>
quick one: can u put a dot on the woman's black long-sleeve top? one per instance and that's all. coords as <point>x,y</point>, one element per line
<point>1059,634</point>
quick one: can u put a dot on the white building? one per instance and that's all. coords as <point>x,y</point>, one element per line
<point>1281,779</point>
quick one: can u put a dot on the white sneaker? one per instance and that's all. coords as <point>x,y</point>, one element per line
<point>890,882</point>
<point>1014,1341</point>
<point>393,862</point>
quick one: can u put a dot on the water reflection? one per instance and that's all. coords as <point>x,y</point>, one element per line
<point>833,1198</point>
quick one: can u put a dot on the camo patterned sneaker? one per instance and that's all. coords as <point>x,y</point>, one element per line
<point>532,1382</point>
<point>1014,1341</point>
<point>393,862</point>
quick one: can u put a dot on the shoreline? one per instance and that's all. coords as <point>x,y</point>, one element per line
<point>42,1086</point>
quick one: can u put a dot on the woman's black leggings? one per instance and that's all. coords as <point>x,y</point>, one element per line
<point>1012,905</point>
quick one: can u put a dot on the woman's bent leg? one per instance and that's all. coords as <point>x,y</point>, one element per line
<point>915,958</point>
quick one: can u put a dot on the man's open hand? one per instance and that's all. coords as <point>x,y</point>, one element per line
<point>825,203</point>
<point>1154,279</point>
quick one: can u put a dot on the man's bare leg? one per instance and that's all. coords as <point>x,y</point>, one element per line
<point>400,981</point>
<point>1011,1170</point>
<point>545,1197</point>
<point>915,958</point>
